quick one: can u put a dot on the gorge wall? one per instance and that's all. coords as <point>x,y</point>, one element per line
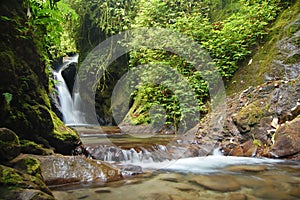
<point>24,102</point>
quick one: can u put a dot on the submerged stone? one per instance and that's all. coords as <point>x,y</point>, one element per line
<point>221,183</point>
<point>246,168</point>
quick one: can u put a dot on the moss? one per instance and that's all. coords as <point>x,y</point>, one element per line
<point>30,147</point>
<point>62,138</point>
<point>10,176</point>
<point>255,73</point>
<point>44,96</point>
<point>9,145</point>
<point>13,182</point>
<point>30,166</point>
<point>61,131</point>
<point>293,59</point>
<point>251,114</point>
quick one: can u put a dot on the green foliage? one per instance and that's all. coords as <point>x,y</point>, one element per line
<point>48,23</point>
<point>229,38</point>
<point>229,42</point>
<point>109,16</point>
<point>8,97</point>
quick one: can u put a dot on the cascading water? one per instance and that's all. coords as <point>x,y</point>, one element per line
<point>70,106</point>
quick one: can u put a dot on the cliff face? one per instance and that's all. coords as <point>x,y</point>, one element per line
<point>277,59</point>
<point>263,101</point>
<point>24,103</point>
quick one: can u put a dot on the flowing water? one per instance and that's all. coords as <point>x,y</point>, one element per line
<point>69,104</point>
<point>158,174</point>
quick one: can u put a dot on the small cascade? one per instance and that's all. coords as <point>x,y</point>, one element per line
<point>70,106</point>
<point>139,154</point>
<point>157,153</point>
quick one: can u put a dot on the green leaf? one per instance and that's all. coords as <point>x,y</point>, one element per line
<point>8,97</point>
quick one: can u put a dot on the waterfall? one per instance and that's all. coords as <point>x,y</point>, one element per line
<point>70,106</point>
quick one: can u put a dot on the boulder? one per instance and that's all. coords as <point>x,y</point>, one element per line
<point>57,170</point>
<point>16,184</point>
<point>9,145</point>
<point>287,139</point>
<point>30,147</point>
<point>24,102</point>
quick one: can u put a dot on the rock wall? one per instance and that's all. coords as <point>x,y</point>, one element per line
<point>263,105</point>
<point>277,58</point>
<point>24,103</point>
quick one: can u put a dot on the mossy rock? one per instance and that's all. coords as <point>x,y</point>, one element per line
<point>30,147</point>
<point>62,138</point>
<point>30,166</point>
<point>43,126</point>
<point>267,60</point>
<point>249,116</point>
<point>9,145</point>
<point>295,58</point>
<point>16,184</point>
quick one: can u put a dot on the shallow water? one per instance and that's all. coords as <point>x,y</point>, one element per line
<point>210,177</point>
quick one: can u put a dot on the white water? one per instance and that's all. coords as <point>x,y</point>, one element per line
<point>207,164</point>
<point>197,165</point>
<point>70,106</point>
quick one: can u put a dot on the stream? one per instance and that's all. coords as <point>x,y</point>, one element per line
<point>151,170</point>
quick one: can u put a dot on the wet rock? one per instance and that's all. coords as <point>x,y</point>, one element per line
<point>129,170</point>
<point>248,148</point>
<point>250,115</point>
<point>30,147</point>
<point>271,192</point>
<point>237,151</point>
<point>221,183</point>
<point>28,165</point>
<point>64,139</point>
<point>156,196</point>
<point>236,196</point>
<point>296,110</point>
<point>253,119</point>
<point>83,197</point>
<point>58,170</point>
<point>247,168</point>
<point>34,195</point>
<point>9,145</point>
<point>295,192</point>
<point>175,178</point>
<point>185,187</point>
<point>18,185</point>
<point>267,99</point>
<point>287,139</point>
<point>103,190</point>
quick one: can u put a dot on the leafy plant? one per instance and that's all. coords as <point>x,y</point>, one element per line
<point>229,42</point>
<point>8,97</point>
<point>229,39</point>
